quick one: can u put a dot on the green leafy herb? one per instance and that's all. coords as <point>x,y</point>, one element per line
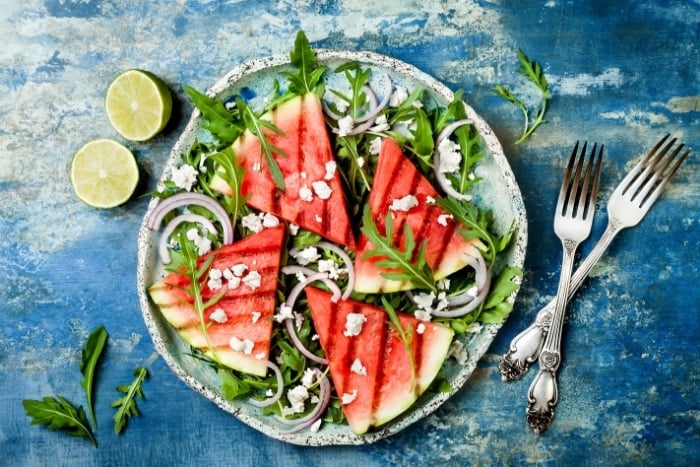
<point>126,405</point>
<point>56,413</point>
<point>257,126</point>
<point>220,122</point>
<point>88,366</point>
<point>401,263</point>
<point>496,307</point>
<point>533,117</point>
<point>308,76</point>
<point>233,174</point>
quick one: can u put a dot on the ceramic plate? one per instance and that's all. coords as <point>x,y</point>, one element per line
<point>497,191</point>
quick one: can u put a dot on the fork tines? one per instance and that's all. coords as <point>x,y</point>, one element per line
<point>584,200</point>
<point>651,175</point>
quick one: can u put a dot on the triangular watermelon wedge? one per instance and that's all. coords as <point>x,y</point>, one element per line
<point>313,196</point>
<point>387,388</point>
<point>395,178</point>
<point>248,307</point>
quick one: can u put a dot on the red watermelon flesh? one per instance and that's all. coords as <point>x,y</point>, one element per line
<point>307,148</point>
<point>396,177</point>
<point>248,307</point>
<point>388,388</point>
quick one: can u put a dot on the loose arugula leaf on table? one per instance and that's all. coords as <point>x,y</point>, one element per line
<point>88,366</point>
<point>402,264</point>
<point>56,413</point>
<point>533,72</point>
<point>126,405</point>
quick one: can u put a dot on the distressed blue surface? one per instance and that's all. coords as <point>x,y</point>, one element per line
<point>622,73</point>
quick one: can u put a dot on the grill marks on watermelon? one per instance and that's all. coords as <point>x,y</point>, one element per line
<point>248,310</point>
<point>395,178</point>
<point>392,383</point>
<point>307,150</point>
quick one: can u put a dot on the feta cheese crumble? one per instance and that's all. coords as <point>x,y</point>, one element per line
<point>305,193</point>
<point>331,267</point>
<point>450,156</point>
<point>404,204</point>
<point>380,124</point>
<point>202,243</point>
<point>353,324</point>
<point>285,312</point>
<point>348,397</point>
<point>358,368</point>
<point>398,97</point>
<point>375,146</point>
<point>322,190</point>
<point>255,316</point>
<point>345,125</point>
<point>218,316</point>
<point>269,220</point>
<point>443,219</point>
<point>331,167</point>
<point>184,177</point>
<point>307,255</point>
<point>252,279</point>
<point>420,329</point>
<point>297,396</point>
<point>252,222</point>
<point>245,346</point>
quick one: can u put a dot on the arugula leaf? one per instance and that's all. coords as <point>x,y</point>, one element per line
<point>126,405</point>
<point>257,126</point>
<point>309,74</point>
<point>495,307</point>
<point>401,262</point>
<point>220,122</point>
<point>56,413</point>
<point>88,366</point>
<point>233,174</point>
<point>533,72</point>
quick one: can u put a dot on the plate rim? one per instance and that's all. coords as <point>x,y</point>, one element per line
<point>487,333</point>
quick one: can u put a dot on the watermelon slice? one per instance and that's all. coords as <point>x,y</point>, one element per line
<point>401,189</point>
<point>371,371</point>
<point>313,196</point>
<point>244,312</point>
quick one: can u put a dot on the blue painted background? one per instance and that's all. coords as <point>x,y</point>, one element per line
<point>621,73</point>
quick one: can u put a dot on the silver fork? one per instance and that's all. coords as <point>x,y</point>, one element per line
<point>572,224</point>
<point>628,205</point>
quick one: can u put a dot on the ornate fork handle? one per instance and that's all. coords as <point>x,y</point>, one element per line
<point>526,346</point>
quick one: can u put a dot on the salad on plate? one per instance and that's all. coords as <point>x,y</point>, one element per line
<point>334,243</point>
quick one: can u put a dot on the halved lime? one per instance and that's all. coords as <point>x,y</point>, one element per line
<point>138,105</point>
<point>104,173</point>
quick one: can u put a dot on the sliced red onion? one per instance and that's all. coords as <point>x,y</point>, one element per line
<point>465,302</point>
<point>280,389</point>
<point>291,299</point>
<point>367,121</point>
<point>440,176</point>
<point>349,265</point>
<point>184,199</point>
<point>313,416</point>
<point>172,225</point>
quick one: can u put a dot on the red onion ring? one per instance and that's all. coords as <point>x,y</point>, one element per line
<point>368,120</point>
<point>280,388</point>
<point>308,420</point>
<point>465,302</point>
<point>291,299</point>
<point>182,199</point>
<point>172,225</point>
<point>349,265</point>
<point>440,176</point>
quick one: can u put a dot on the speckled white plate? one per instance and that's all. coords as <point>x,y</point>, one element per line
<point>497,191</point>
